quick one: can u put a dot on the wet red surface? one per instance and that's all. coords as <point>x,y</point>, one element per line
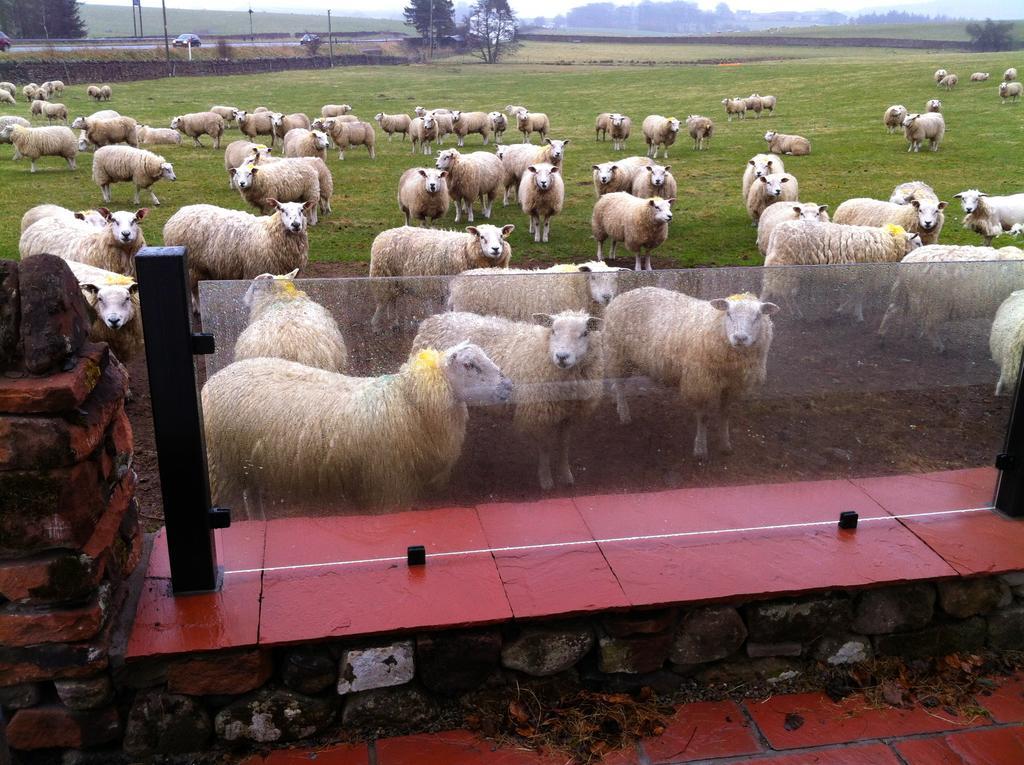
<point>983,747</point>
<point>701,731</point>
<point>1006,704</point>
<point>454,748</point>
<point>339,754</point>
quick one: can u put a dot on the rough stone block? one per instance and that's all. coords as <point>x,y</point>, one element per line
<point>800,620</point>
<point>10,314</point>
<point>86,693</point>
<point>24,625</point>
<point>403,707</point>
<point>661,681</point>
<point>894,609</point>
<point>363,669</point>
<point>708,634</point>
<point>55,726</point>
<point>762,650</point>
<point>635,654</point>
<point>548,650</point>
<point>837,650</point>
<point>639,622</point>
<point>309,669</point>
<point>20,696</point>
<point>52,660</point>
<point>935,640</point>
<point>165,723</point>
<point>968,597</point>
<point>220,672</point>
<point>454,663</point>
<point>58,392</point>
<point>1006,629</point>
<point>277,716</point>
<point>54,315</point>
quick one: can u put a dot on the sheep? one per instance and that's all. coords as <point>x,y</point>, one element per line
<point>781,143</point>
<point>618,175</point>
<point>735,107</point>
<point>939,74</point>
<point>949,81</point>
<point>768,104</point>
<point>757,166</point>
<point>348,134</point>
<point>423,131</point>
<point>284,122</point>
<point>776,213</point>
<point>113,301</point>
<point>713,351</point>
<point>516,158</point>
<point>701,129</point>
<point>6,98</point>
<point>499,124</point>
<point>444,123</point>
<point>947,283</point>
<point>324,177</point>
<point>464,123</point>
<point>282,429</point>
<point>196,124</point>
<point>409,251</point>
<point>256,124</point>
<point>94,92</point>
<point>512,109</point>
<point>472,176</point>
<point>286,180</point>
<point>933,105</point>
<point>299,142</point>
<point>1011,90</point>
<point>33,143</point>
<point>917,128</point>
<point>111,247</point>
<point>105,132</point>
<point>893,117</point>
<point>238,153</point>
<point>285,323</point>
<point>518,294</point>
<point>393,123</point>
<point>1010,74</point>
<point>322,125</point>
<point>105,92</point>
<point>32,92</point>
<point>979,76</point>
<point>922,216</point>
<point>620,126</point>
<point>541,196</point>
<point>10,87</point>
<point>533,122</point>
<point>227,113</point>
<point>753,104</point>
<point>121,164</point>
<point>36,109</point>
<point>39,212</point>
<point>5,120</point>
<point>905,193</point>
<point>232,244</point>
<point>797,242</point>
<point>601,125</point>
<point>641,224</point>
<point>990,216</point>
<point>423,194</point>
<point>768,189</point>
<point>1006,341</point>
<point>149,136</point>
<point>334,110</point>
<point>556,366</point>
<point>261,110</point>
<point>659,132</point>
<point>655,181</point>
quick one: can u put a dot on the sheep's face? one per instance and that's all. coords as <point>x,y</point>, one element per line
<point>497,119</point>
<point>92,217</point>
<point>617,120</point>
<point>78,123</point>
<point>83,143</point>
<point>277,120</point>
<point>473,377</point>
<point>319,124</point>
<point>557,149</point>
<point>446,159</point>
<point>6,133</point>
<point>673,125</point>
<point>499,151</point>
<point>934,105</point>
<point>429,123</point>
<point>491,239</point>
<point>112,303</point>
<point>543,175</point>
<point>769,136</point>
<point>433,180</point>
<point>569,337</point>
<point>773,184</point>
<point>420,111</point>
<point>929,212</point>
<point>912,241</point>
<point>910,119</point>
<point>602,281</point>
<point>744,318</point>
<point>245,175</point>
<point>293,214</point>
<point>456,115</point>
<point>124,225</point>
<point>662,209</point>
<point>605,172</point>
<point>176,123</point>
<point>969,199</point>
<point>167,171</point>
<point>811,212</point>
<point>321,140</point>
<point>658,173</point>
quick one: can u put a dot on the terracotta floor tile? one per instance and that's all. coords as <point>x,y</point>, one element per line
<point>867,754</point>
<point>239,546</point>
<point>337,754</point>
<point>454,748</point>
<point>552,581</point>
<point>825,722</point>
<point>993,746</point>
<point>1006,704</point>
<point>928,492</point>
<point>701,731</point>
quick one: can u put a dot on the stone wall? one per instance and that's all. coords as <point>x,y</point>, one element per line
<point>69,527</point>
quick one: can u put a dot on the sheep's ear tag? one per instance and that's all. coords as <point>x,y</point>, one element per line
<point>202,344</point>
<point>848,519</point>
<point>416,555</point>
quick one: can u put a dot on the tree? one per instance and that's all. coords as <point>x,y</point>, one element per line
<point>991,35</point>
<point>41,18</point>
<point>491,30</point>
<point>417,14</point>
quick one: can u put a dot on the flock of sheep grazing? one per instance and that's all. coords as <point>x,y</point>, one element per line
<point>544,341</point>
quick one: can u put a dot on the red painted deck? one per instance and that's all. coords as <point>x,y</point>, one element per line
<point>266,601</point>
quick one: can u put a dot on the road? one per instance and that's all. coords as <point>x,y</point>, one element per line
<point>149,45</point>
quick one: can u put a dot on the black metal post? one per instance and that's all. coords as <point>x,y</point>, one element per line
<point>177,418</point>
<point>1010,493</point>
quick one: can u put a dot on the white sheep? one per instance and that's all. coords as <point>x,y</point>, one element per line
<point>618,175</point>
<point>769,189</point>
<point>991,216</point>
<point>33,143</point>
<point>533,122</point>
<point>701,129</point>
<point>196,124</point>
<point>713,352</point>
<point>922,216</point>
<point>939,74</point>
<point>109,130</point>
<point>94,92</point>
<point>1011,90</point>
<point>893,117</point>
<point>105,92</point>
<point>84,144</point>
<point>443,117</point>
<point>32,92</point>
<point>781,143</point>
<point>409,251</point>
<point>7,98</point>
<point>753,104</point>
<point>113,301</point>
<point>640,224</point>
<point>499,124</point>
<point>227,113</point>
<point>918,128</point>
<point>512,109</point>
<point>659,132</point>
<point>231,244</point>
<point>393,123</point>
<point>334,110</point>
<point>284,122</point>
<point>464,123</point>
<point>905,193</point>
<point>768,104</point>
<point>1010,74</point>
<point>6,120</point>
<point>541,196</point>
<point>655,181</point>
<point>516,158</point>
<point>735,107</point>
<point>149,136</point>
<point>299,142</point>
<point>423,194</point>
<point>601,125</point>
<point>933,105</point>
<point>111,248</point>
<point>757,166</point>
<point>282,429</point>
<point>37,213</point>
<point>348,134</point>
<point>124,164</point>
<point>979,76</point>
<point>285,323</point>
<point>286,180</point>
<point>949,81</point>
<point>555,364</point>
<point>10,87</point>
<point>471,177</point>
<point>423,132</point>
<point>1006,341</point>
<point>239,152</point>
<point>777,213</point>
<point>55,112</point>
<point>255,124</point>
<point>621,125</point>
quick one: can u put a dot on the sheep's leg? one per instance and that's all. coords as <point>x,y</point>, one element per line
<point>700,440</point>
<point>547,228</point>
<point>547,483</point>
<point>389,137</point>
<point>600,254</point>
<point>638,265</point>
<point>490,204</point>
<point>536,222</point>
<point>621,404</point>
<point>647,262</point>
<point>887,320</point>
<point>614,245</point>
<point>341,154</point>
<point>531,224</point>
<point>724,438</point>
<point>72,163</point>
<point>32,169</point>
<point>565,475</point>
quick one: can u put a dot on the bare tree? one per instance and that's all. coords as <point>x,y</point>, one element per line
<point>491,30</point>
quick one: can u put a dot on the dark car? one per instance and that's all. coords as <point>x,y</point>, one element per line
<point>309,39</point>
<point>5,42</point>
<point>183,41</point>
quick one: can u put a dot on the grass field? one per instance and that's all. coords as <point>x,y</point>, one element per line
<point>837,102</point>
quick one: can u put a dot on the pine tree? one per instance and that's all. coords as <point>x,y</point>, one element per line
<point>417,13</point>
<point>42,18</point>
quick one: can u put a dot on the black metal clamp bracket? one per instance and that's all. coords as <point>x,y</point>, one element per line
<point>416,555</point>
<point>1010,492</point>
<point>203,344</point>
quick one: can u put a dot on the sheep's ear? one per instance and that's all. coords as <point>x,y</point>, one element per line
<point>554,169</point>
<point>254,170</point>
<point>274,202</point>
<point>982,194</point>
<point>651,202</point>
<point>797,210</point>
<point>141,213</point>
<point>750,162</point>
<point>532,169</point>
<point>507,230</point>
<point>547,141</point>
<point>649,168</point>
<point>769,308</point>
<point>309,205</point>
<point>585,269</point>
<point>763,179</point>
<point>133,288</point>
<point>958,196</point>
<point>233,171</point>
<point>80,216</point>
<point>822,208</point>
<point>444,174</point>
<point>543,319</point>
<point>720,303</point>
<point>671,200</point>
<point>423,172</point>
<point>784,179</point>
<point>473,230</point>
<point>667,168</point>
<point>89,287</point>
<point>594,324</point>
<point>566,142</point>
<point>292,274</point>
<point>104,212</point>
<point>916,204</point>
<point>942,205</point>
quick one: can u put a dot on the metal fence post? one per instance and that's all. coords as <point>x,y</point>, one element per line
<point>177,418</point>
<point>1010,492</point>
